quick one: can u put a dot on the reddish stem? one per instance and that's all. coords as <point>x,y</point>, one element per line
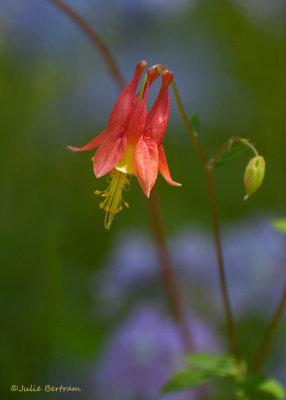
<point>168,274</point>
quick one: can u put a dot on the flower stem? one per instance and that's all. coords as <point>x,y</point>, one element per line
<point>192,134</point>
<point>269,334</point>
<point>227,145</point>
<point>208,170</point>
<point>168,273</point>
<point>222,276</point>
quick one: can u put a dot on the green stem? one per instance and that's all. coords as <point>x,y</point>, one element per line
<point>223,284</point>
<point>247,143</point>
<point>224,148</point>
<point>227,145</point>
<point>269,334</point>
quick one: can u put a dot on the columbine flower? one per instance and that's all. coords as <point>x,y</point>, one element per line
<point>131,143</point>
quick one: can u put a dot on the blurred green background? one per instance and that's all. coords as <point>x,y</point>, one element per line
<point>229,63</point>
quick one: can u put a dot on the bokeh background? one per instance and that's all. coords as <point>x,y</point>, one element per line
<point>83,306</point>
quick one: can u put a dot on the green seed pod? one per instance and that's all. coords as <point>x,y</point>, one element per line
<point>253,176</point>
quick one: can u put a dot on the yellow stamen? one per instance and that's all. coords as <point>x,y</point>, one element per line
<point>113,200</point>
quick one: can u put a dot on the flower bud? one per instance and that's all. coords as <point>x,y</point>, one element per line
<point>253,176</point>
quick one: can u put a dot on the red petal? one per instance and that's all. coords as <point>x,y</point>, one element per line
<point>146,163</point>
<point>152,75</point>
<point>137,121</point>
<point>164,169</point>
<point>92,144</point>
<point>122,108</point>
<point>157,119</point>
<point>139,111</point>
<point>109,153</point>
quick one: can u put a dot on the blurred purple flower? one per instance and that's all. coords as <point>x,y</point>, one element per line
<point>143,354</point>
<point>132,265</point>
<point>193,254</point>
<point>254,256</point>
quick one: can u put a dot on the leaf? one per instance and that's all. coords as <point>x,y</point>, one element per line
<point>208,367</point>
<point>280,224</point>
<point>232,153</point>
<point>188,379</point>
<point>223,365</point>
<point>273,387</point>
<point>256,387</point>
<point>203,360</point>
<point>195,122</point>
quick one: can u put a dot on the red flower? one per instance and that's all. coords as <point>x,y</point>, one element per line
<point>131,143</point>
